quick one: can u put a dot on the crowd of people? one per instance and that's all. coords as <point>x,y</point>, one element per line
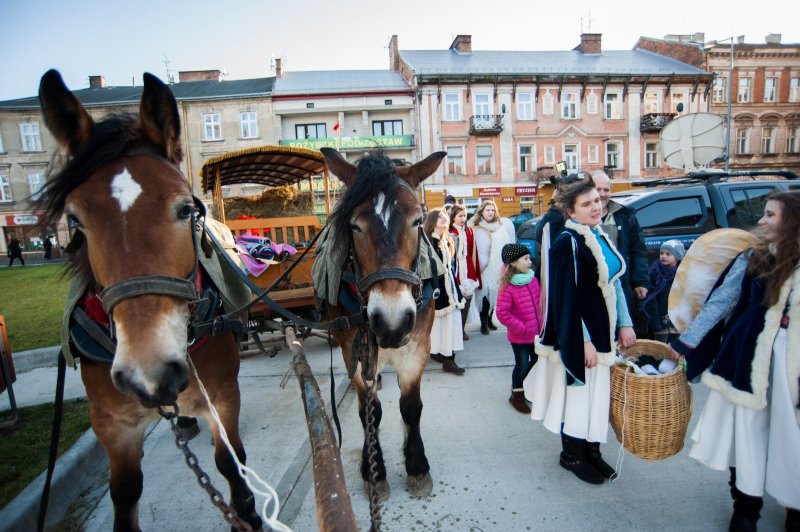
<point>593,262</point>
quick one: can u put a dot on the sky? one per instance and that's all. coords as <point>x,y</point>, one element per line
<point>121,39</point>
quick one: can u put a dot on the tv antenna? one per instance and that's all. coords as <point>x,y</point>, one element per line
<point>588,18</point>
<point>170,77</point>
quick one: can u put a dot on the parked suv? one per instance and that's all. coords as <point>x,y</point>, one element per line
<point>686,208</point>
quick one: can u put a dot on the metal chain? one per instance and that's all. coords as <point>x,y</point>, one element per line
<point>217,499</point>
<point>372,459</point>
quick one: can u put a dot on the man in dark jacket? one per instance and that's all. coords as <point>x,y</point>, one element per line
<point>622,227</point>
<point>555,218</point>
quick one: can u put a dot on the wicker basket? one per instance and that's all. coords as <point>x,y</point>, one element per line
<point>650,413</point>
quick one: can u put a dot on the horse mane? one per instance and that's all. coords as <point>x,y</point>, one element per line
<point>111,138</point>
<point>376,174</point>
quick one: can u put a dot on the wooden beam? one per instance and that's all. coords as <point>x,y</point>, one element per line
<point>560,87</point>
<point>583,87</point>
<point>603,91</point>
<point>669,82</point>
<point>644,86</point>
<point>514,89</point>
<point>625,88</point>
<point>694,86</point>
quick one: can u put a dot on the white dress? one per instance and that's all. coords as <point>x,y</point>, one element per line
<point>447,333</point>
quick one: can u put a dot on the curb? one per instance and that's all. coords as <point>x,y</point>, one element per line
<point>78,469</point>
<point>43,357</point>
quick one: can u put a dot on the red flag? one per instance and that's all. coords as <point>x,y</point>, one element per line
<point>336,126</point>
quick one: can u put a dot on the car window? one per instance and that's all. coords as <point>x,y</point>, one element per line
<point>748,206</point>
<point>679,212</point>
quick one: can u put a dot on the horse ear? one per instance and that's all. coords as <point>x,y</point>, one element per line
<point>339,166</point>
<point>418,172</point>
<point>64,116</point>
<point>161,124</point>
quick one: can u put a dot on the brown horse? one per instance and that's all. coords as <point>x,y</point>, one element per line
<point>379,218</point>
<point>120,186</point>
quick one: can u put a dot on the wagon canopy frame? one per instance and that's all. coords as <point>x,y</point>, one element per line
<point>267,165</point>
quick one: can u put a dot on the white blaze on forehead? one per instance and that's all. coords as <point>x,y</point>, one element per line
<point>125,190</point>
<point>382,214</point>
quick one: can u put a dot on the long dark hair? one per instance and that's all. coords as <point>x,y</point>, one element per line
<point>776,269</point>
<point>453,212</point>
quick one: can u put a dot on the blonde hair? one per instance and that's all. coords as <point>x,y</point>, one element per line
<point>478,216</point>
<point>508,273</point>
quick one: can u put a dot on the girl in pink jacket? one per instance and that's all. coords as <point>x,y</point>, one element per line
<point>517,309</point>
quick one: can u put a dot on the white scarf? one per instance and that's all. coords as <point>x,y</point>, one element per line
<point>490,276</point>
<point>461,253</point>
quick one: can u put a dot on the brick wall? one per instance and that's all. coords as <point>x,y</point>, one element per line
<point>692,55</point>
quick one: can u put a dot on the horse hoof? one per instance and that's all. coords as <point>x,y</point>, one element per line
<point>382,487</point>
<point>421,485</point>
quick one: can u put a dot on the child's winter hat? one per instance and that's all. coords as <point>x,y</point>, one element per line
<point>512,252</point>
<point>675,247</point>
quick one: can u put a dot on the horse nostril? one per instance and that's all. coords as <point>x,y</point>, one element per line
<point>120,382</point>
<point>176,376</point>
<point>409,320</point>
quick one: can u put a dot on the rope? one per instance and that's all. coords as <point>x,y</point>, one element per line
<point>247,474</point>
<point>621,454</point>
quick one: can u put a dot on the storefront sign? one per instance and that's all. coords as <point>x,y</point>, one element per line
<point>489,191</point>
<point>508,200</point>
<point>350,143</point>
<point>525,191</point>
<point>22,219</point>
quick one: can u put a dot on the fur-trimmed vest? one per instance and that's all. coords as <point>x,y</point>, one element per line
<point>450,297</point>
<point>579,289</point>
<point>738,352</point>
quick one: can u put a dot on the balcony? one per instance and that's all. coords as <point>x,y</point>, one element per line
<point>485,125</point>
<point>654,122</point>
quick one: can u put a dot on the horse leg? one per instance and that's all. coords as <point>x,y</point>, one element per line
<point>367,465</point>
<point>419,480</point>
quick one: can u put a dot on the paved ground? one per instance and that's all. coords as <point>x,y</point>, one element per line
<point>493,469</point>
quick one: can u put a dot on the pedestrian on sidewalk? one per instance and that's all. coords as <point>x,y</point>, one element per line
<point>446,333</point>
<point>48,248</point>
<point>14,252</point>
<point>467,269</point>
<point>570,385</point>
<point>517,309</point>
<point>744,341</point>
<point>655,306</point>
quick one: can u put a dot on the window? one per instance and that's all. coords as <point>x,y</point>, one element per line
<point>569,105</point>
<point>593,156</point>
<point>793,139</point>
<point>679,98</point>
<point>571,157</point>
<point>767,140</point>
<point>452,107</point>
<point>483,159</point>
<point>652,102</point>
<point>5,188</point>
<point>611,106</point>
<point>683,212</point>
<point>794,90</point>
<point>212,126</point>
<point>526,159</point>
<point>455,160</point>
<point>547,103</point>
<point>311,131</point>
<point>525,106</point>
<point>743,140</point>
<point>748,206</point>
<point>770,88</point>
<point>249,124</point>
<point>652,158</point>
<point>36,183</point>
<point>482,109</point>
<point>387,102</point>
<point>549,155</point>
<point>614,154</point>
<point>591,103</point>
<point>720,89</point>
<point>387,127</point>
<point>743,95</point>
<point>310,105</point>
<point>31,140</point>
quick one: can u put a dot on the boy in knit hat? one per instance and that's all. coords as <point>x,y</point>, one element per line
<point>655,305</point>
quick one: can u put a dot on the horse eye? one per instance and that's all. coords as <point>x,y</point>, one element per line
<point>417,222</point>
<point>72,221</point>
<point>354,227</point>
<point>186,212</point>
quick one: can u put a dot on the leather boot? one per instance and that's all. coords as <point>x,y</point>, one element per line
<point>449,366</point>
<point>484,314</point>
<point>596,459</point>
<point>746,508</point>
<point>437,357</point>
<point>518,401</point>
<point>573,458</point>
<point>490,323</point>
<point>464,313</point>
<point>792,520</point>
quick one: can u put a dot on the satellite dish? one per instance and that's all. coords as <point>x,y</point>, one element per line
<point>692,141</point>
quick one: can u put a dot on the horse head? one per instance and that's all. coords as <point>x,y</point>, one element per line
<point>121,187</point>
<point>379,220</point>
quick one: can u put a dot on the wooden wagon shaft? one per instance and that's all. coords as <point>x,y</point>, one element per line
<point>334,511</point>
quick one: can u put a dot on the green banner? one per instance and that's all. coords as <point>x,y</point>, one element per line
<point>351,143</point>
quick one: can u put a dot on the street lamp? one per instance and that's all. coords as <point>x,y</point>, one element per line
<point>707,46</point>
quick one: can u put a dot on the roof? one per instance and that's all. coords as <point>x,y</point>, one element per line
<point>187,90</point>
<point>339,81</point>
<point>266,165</point>
<point>614,62</point>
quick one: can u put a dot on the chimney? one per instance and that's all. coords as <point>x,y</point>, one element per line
<point>590,43</point>
<point>773,38</point>
<point>97,82</point>
<point>740,39</point>
<point>199,75</point>
<point>462,44</point>
<point>394,55</point>
<point>278,67</point>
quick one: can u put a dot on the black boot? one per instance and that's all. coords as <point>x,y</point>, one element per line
<point>490,323</point>
<point>518,401</point>
<point>449,366</point>
<point>464,314</point>
<point>792,520</point>
<point>596,459</point>
<point>437,357</point>
<point>746,508</point>
<point>484,314</point>
<point>573,458</point>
